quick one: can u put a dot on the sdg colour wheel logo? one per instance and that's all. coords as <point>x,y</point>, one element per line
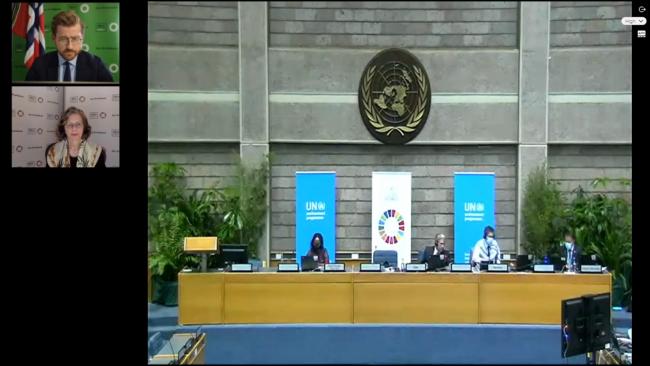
<point>391,227</point>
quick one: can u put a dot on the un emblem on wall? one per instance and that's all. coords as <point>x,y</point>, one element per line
<point>394,96</point>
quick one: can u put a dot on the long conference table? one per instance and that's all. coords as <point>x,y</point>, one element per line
<point>353,297</point>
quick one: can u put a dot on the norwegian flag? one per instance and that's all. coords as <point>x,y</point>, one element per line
<point>29,23</point>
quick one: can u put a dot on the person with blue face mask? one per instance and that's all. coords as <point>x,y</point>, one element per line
<point>571,252</point>
<point>486,249</point>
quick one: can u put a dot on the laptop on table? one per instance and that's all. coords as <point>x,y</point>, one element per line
<point>435,263</point>
<point>307,263</point>
<point>523,263</point>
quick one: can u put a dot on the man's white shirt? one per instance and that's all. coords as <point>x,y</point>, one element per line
<point>480,252</point>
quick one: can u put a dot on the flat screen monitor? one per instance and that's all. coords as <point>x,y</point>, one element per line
<point>573,327</point>
<point>599,327</point>
<point>231,254</point>
<point>587,259</point>
<point>523,262</point>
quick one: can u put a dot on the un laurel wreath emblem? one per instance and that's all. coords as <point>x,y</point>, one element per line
<point>394,96</point>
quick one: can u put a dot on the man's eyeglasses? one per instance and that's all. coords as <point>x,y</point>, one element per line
<point>71,126</point>
<point>69,40</point>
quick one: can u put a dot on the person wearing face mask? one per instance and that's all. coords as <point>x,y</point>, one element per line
<point>486,250</point>
<point>317,249</point>
<point>571,252</point>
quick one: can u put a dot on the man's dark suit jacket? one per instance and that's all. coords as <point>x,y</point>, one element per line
<point>88,68</point>
<point>577,254</point>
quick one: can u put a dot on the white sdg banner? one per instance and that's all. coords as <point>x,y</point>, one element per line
<point>35,112</point>
<point>391,213</point>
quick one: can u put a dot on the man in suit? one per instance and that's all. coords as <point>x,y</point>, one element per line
<point>440,249</point>
<point>572,252</point>
<point>69,63</point>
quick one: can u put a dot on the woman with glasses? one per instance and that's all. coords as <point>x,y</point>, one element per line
<point>73,149</point>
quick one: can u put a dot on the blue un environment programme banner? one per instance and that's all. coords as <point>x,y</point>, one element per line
<point>315,211</point>
<point>474,200</point>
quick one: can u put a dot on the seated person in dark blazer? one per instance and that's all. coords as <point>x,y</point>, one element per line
<point>437,249</point>
<point>441,250</point>
<point>69,62</point>
<point>572,252</point>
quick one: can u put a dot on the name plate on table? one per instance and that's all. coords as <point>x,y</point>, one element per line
<point>497,267</point>
<point>335,267</point>
<point>416,267</point>
<point>544,268</point>
<point>288,267</point>
<point>241,267</point>
<point>461,267</point>
<point>370,267</point>
<point>591,268</point>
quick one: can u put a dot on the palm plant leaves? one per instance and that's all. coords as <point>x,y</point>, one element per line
<point>235,213</point>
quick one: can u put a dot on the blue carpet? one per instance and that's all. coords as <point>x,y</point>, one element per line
<point>622,319</point>
<point>383,344</point>
<point>163,319</point>
<point>374,343</point>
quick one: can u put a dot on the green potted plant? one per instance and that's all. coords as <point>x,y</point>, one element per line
<point>166,229</point>
<point>235,213</point>
<point>542,215</point>
<point>243,207</point>
<point>603,226</point>
<point>168,257</point>
<point>173,216</point>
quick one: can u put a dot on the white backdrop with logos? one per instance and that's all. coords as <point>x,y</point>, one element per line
<point>35,112</point>
<point>391,214</point>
